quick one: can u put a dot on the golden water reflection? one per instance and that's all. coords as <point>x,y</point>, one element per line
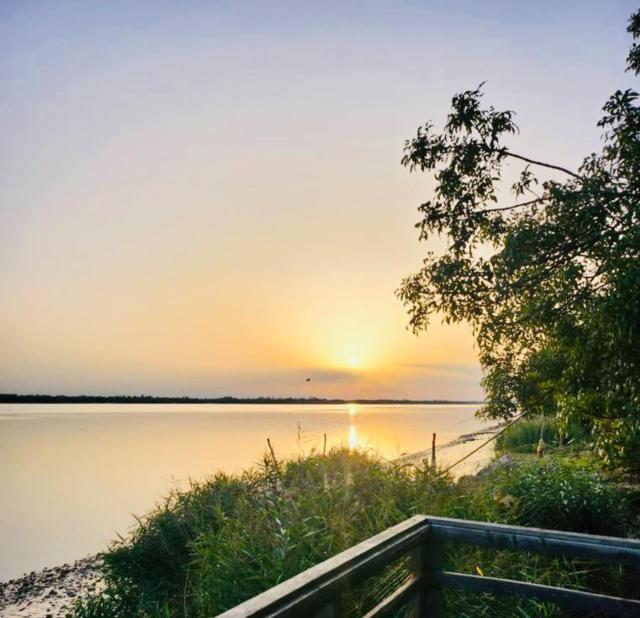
<point>353,435</point>
<point>353,430</point>
<point>73,474</point>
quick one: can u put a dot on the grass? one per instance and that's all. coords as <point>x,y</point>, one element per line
<point>523,437</point>
<point>206,549</point>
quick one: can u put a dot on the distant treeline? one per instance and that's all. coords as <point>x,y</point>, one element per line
<point>15,398</point>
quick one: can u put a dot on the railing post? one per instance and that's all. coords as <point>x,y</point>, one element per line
<point>432,564</point>
<point>416,566</point>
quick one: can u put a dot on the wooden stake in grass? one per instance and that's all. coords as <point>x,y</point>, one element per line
<point>433,452</point>
<point>324,446</point>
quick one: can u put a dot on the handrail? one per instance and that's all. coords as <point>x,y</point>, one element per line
<point>537,540</point>
<point>322,581</point>
<point>318,591</point>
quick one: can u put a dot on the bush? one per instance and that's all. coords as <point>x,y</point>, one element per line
<point>523,436</point>
<point>205,550</point>
<point>562,495</point>
<point>225,540</point>
<point>544,493</point>
<point>618,442</point>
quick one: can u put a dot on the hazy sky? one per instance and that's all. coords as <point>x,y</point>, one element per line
<point>206,198</point>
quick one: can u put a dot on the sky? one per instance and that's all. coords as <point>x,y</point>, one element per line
<point>206,198</point>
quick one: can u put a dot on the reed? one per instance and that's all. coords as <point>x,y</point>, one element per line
<point>524,436</point>
<point>224,540</point>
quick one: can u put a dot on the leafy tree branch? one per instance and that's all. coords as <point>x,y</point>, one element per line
<point>550,285</point>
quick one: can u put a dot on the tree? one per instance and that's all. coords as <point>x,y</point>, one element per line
<point>550,282</point>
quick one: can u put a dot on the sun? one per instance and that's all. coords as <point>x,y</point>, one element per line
<point>354,360</point>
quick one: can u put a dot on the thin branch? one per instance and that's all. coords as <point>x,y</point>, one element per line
<point>508,153</point>
<point>519,205</point>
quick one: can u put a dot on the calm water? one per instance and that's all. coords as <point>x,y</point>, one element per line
<point>71,476</point>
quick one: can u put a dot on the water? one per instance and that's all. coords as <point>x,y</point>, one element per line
<point>72,476</point>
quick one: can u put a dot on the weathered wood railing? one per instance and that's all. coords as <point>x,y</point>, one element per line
<point>317,592</point>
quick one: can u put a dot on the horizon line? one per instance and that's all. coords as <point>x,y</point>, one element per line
<point>46,398</point>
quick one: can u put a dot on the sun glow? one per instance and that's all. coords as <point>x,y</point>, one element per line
<point>354,360</point>
<point>353,436</point>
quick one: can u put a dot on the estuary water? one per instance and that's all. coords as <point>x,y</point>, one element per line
<point>72,476</point>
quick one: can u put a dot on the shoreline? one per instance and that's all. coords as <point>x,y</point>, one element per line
<point>13,398</point>
<point>419,457</point>
<point>51,592</point>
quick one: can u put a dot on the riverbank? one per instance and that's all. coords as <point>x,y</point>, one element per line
<point>222,541</point>
<point>459,461</point>
<point>90,466</point>
<point>51,592</point>
<point>210,548</point>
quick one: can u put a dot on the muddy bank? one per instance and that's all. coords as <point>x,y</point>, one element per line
<point>50,593</point>
<point>453,450</point>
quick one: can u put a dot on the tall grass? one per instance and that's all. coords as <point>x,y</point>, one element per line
<point>205,550</point>
<point>523,437</point>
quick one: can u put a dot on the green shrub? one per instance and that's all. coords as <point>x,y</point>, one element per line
<point>562,495</point>
<point>523,436</point>
<point>225,540</point>
<point>546,493</point>
<point>232,537</point>
<point>618,442</point>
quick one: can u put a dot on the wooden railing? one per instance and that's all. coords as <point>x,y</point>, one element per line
<point>319,591</point>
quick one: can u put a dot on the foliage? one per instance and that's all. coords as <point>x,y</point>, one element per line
<point>562,494</point>
<point>523,437</point>
<point>227,539</point>
<point>551,281</point>
<point>553,492</point>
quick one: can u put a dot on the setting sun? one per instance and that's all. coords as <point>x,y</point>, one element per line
<point>277,262</point>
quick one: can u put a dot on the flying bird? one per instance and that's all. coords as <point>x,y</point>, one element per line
<point>308,380</point>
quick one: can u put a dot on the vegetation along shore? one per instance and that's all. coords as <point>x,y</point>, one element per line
<point>224,540</point>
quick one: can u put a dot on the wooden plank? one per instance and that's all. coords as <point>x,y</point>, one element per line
<point>536,540</point>
<point>312,588</point>
<point>397,599</point>
<point>576,599</point>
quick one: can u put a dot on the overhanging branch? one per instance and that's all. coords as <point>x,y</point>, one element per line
<point>508,153</point>
<point>512,207</point>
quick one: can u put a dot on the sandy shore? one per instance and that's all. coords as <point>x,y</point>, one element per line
<point>419,457</point>
<point>50,593</point>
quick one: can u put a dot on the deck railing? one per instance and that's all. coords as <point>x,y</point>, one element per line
<point>319,591</point>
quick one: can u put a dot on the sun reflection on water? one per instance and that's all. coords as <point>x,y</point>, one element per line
<point>352,409</point>
<point>353,436</point>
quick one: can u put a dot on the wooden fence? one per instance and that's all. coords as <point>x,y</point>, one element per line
<point>318,591</point>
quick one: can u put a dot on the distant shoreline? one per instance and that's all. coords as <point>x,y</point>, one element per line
<point>15,398</point>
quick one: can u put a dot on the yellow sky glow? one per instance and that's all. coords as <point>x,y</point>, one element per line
<point>209,201</point>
